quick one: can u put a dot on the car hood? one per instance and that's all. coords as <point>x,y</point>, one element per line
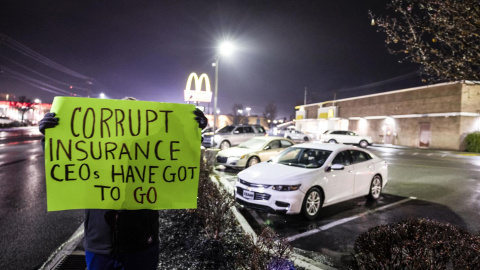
<point>235,152</point>
<point>274,173</point>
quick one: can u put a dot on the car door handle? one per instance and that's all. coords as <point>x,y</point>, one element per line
<point>370,167</point>
<point>350,171</point>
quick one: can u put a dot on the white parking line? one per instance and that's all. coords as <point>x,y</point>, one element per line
<point>345,220</point>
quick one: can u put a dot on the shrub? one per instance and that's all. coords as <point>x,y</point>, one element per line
<point>417,244</point>
<point>473,142</point>
<point>213,207</point>
<point>265,254</point>
<point>221,243</point>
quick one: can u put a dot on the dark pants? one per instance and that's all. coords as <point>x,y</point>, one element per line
<point>143,260</point>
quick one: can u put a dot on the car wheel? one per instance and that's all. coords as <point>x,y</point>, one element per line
<point>375,188</point>
<point>312,203</point>
<point>305,139</point>
<point>224,145</point>
<point>252,161</point>
<point>363,144</point>
<point>332,141</point>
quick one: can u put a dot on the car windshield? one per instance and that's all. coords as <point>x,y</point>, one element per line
<point>226,129</point>
<point>252,144</point>
<point>302,157</point>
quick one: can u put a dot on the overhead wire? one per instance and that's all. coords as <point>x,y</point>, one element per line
<point>383,82</point>
<point>24,50</point>
<point>9,42</point>
<point>42,75</point>
<point>31,81</point>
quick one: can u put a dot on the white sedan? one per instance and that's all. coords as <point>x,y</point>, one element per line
<point>306,177</point>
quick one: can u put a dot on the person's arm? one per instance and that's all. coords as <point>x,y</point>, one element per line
<point>48,121</point>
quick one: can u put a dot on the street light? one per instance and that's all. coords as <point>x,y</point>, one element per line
<point>248,109</point>
<point>225,48</point>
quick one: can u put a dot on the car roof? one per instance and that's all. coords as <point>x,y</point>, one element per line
<point>269,138</point>
<point>324,146</point>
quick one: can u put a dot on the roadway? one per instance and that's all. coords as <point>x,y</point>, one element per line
<point>29,233</point>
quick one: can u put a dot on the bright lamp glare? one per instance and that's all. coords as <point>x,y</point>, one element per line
<point>226,48</point>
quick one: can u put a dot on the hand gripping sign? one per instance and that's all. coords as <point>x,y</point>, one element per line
<point>122,154</point>
<point>198,95</point>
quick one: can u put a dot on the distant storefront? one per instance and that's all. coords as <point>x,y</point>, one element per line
<point>32,112</point>
<point>436,116</point>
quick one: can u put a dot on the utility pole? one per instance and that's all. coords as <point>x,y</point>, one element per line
<point>305,97</point>
<point>89,87</point>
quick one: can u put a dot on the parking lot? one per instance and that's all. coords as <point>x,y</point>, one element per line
<point>438,185</point>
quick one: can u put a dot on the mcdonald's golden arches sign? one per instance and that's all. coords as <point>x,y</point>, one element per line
<point>197,95</point>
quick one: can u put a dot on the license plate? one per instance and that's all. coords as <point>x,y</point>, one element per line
<point>248,195</point>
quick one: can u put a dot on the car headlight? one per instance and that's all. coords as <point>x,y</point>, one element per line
<point>239,157</point>
<point>286,187</point>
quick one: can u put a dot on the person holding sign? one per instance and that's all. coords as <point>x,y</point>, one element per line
<point>117,239</point>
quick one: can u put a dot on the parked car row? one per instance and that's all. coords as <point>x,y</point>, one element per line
<point>233,135</point>
<point>291,178</point>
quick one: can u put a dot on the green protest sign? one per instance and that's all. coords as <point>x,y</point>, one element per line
<point>122,154</point>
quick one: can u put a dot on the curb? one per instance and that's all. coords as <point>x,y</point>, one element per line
<point>64,250</point>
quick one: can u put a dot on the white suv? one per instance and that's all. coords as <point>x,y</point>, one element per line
<point>231,136</point>
<point>346,137</point>
<point>297,135</point>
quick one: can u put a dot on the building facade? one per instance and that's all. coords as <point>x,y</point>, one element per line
<point>31,113</point>
<point>436,116</point>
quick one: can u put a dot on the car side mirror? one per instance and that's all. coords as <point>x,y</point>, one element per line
<point>337,167</point>
<point>236,132</point>
<point>267,147</point>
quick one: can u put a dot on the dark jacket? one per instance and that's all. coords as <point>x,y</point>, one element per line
<point>120,231</point>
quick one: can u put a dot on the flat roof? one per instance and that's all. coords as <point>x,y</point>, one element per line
<point>383,93</point>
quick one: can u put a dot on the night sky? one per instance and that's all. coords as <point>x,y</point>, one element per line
<point>147,49</point>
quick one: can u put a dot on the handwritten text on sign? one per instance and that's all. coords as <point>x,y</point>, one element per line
<point>122,154</point>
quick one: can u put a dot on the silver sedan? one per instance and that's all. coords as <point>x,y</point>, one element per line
<point>252,152</point>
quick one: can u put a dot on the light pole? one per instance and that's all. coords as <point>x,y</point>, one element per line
<point>224,49</point>
<point>215,97</point>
